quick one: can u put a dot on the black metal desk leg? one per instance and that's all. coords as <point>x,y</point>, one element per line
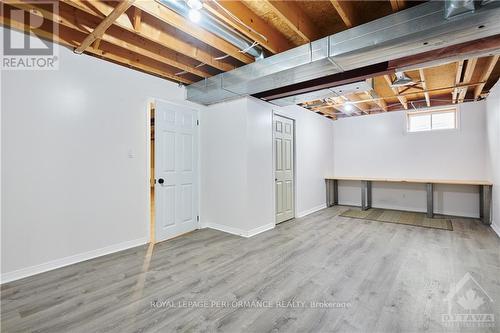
<point>430,200</point>
<point>485,202</point>
<point>327,186</point>
<point>335,192</point>
<point>369,193</point>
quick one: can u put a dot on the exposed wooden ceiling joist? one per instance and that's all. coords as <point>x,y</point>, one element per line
<point>458,77</point>
<point>382,104</point>
<point>84,22</point>
<point>291,14</point>
<point>485,75</point>
<point>346,11</point>
<point>71,38</point>
<point>168,16</point>
<point>104,25</point>
<point>153,32</point>
<point>469,70</point>
<point>424,85</point>
<point>398,5</point>
<point>241,18</point>
<point>137,19</point>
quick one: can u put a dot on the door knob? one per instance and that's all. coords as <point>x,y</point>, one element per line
<point>161,181</point>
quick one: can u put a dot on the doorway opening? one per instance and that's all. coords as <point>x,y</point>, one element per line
<point>284,168</point>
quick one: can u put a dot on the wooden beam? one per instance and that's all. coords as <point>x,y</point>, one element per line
<point>377,100</point>
<point>448,54</point>
<point>398,5</point>
<point>83,23</point>
<point>240,17</point>
<point>137,19</point>
<point>458,77</point>
<point>346,11</point>
<point>70,38</point>
<point>402,99</point>
<point>154,31</point>
<point>175,20</point>
<point>469,70</point>
<point>361,103</point>
<point>97,43</point>
<point>104,25</point>
<point>424,85</point>
<point>485,75</point>
<point>290,13</point>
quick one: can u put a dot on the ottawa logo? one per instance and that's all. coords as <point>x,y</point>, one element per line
<point>469,305</point>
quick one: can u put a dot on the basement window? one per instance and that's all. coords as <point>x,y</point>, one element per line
<point>422,121</point>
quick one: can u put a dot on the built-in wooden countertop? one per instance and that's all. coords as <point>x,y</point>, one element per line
<point>424,181</point>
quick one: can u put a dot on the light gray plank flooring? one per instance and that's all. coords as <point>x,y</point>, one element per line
<point>392,278</point>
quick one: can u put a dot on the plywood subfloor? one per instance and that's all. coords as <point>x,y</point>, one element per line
<point>394,278</point>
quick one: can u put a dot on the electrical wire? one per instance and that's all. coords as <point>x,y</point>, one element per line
<point>254,44</point>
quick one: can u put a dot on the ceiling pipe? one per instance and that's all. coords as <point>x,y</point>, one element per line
<point>210,24</point>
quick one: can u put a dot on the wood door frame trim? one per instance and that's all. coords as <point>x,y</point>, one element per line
<point>151,203</point>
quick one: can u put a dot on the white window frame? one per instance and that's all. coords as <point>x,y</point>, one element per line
<point>436,110</point>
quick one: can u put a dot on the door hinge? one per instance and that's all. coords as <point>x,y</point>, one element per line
<point>198,218</point>
<point>197,122</point>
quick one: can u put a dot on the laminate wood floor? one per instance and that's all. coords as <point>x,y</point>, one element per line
<point>367,276</point>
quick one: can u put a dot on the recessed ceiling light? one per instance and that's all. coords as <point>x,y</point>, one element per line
<point>194,4</point>
<point>194,15</point>
<point>348,107</point>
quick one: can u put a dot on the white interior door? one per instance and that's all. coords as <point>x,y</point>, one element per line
<point>284,168</point>
<point>176,170</point>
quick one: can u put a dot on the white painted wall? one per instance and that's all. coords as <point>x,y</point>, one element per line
<point>379,146</point>
<point>493,146</point>
<point>70,190</point>
<point>236,159</point>
<point>237,170</point>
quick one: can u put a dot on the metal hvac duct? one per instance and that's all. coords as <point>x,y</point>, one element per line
<point>457,7</point>
<point>215,27</point>
<point>412,31</point>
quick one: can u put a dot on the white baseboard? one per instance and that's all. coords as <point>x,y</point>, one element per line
<point>260,229</point>
<point>58,263</point>
<point>238,231</point>
<point>312,210</point>
<point>496,229</point>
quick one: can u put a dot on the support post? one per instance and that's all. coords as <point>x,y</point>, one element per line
<point>369,193</point>
<point>430,200</point>
<point>335,192</point>
<point>327,184</point>
<point>485,204</point>
<point>366,194</point>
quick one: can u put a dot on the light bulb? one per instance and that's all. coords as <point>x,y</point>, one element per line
<point>194,15</point>
<point>194,4</point>
<point>348,107</point>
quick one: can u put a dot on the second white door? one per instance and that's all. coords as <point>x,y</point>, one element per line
<point>284,168</point>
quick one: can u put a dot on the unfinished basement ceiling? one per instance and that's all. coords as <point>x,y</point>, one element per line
<point>448,84</point>
<point>152,38</point>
